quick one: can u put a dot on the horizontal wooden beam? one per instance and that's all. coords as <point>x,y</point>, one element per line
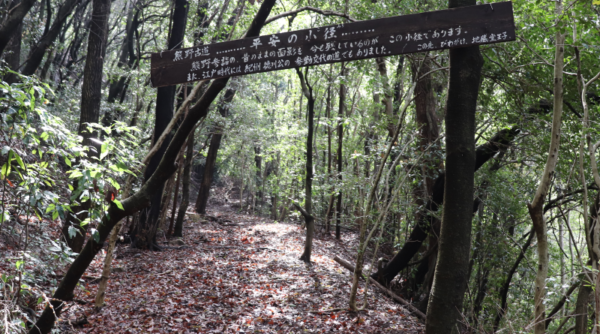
<point>443,29</point>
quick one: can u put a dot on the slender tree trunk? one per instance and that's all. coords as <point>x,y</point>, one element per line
<point>145,234</point>
<point>90,108</point>
<point>49,59</point>
<point>536,206</point>
<point>166,201</point>
<point>127,62</point>
<point>17,10</point>
<point>506,285</point>
<point>450,279</point>
<point>340,133</point>
<point>13,56</point>
<point>185,200</point>
<point>258,181</point>
<point>36,54</point>
<point>329,213</point>
<point>175,197</point>
<point>307,90</point>
<point>211,157</point>
<point>142,197</point>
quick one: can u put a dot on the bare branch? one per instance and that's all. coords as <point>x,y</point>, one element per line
<point>312,9</point>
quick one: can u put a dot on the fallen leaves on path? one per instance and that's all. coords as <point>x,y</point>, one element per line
<point>244,277</point>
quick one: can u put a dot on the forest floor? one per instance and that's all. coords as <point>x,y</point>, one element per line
<point>238,274</point>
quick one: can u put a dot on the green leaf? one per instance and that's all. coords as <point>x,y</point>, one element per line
<point>75,174</point>
<point>95,235</point>
<point>118,204</point>
<point>72,232</point>
<point>103,150</point>
<point>19,160</point>
<point>50,208</point>
<point>68,162</point>
<point>85,222</point>
<point>5,169</point>
<point>4,217</point>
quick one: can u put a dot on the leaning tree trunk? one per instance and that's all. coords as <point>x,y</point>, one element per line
<point>91,95</point>
<point>13,56</point>
<point>536,207</point>
<point>450,278</point>
<point>36,55</point>
<point>484,153</point>
<point>142,197</point>
<point>145,233</point>
<point>17,11</point>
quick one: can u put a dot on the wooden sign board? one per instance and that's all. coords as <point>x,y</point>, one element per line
<point>444,29</point>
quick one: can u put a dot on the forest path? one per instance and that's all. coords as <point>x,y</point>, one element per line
<point>240,274</point>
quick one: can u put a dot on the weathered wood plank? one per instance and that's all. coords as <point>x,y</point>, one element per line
<point>444,29</point>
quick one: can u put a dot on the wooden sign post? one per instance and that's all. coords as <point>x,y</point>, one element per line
<point>444,29</point>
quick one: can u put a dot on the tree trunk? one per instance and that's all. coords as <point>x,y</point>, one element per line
<point>582,306</point>
<point>340,132</point>
<point>499,142</point>
<point>536,210</point>
<point>211,157</point>
<point>329,213</point>
<point>13,56</point>
<point>175,197</point>
<point>506,285</point>
<point>166,201</point>
<point>307,90</point>
<point>127,57</point>
<point>145,235</point>
<point>450,279</point>
<point>91,96</point>
<point>185,200</point>
<point>142,197</point>
<point>36,54</point>
<point>17,10</point>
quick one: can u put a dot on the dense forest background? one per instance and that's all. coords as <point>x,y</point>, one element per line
<point>356,150</point>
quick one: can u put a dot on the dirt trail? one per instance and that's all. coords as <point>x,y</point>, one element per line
<point>238,275</point>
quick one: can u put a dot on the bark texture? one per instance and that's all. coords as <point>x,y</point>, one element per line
<point>451,272</point>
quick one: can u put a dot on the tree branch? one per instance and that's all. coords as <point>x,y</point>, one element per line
<point>312,9</point>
